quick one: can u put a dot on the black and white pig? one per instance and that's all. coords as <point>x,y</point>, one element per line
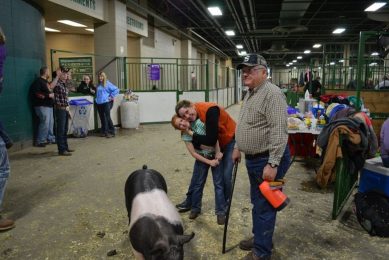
<point>156,230</point>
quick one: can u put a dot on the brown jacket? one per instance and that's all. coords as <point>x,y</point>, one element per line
<point>326,172</point>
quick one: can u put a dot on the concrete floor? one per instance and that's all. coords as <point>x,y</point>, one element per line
<point>61,204</point>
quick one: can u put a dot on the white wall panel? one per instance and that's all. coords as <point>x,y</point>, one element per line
<point>198,96</point>
<point>156,106</point>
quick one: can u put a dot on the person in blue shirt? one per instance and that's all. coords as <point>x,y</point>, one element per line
<point>105,93</point>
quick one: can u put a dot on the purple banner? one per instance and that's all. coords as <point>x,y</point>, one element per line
<point>154,71</point>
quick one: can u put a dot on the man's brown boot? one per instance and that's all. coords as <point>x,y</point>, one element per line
<point>247,245</point>
<point>6,224</point>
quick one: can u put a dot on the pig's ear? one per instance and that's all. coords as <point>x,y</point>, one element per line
<point>160,248</point>
<point>182,239</point>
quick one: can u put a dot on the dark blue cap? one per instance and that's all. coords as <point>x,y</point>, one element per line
<point>252,60</point>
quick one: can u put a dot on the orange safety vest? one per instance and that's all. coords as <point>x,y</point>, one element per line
<point>226,124</point>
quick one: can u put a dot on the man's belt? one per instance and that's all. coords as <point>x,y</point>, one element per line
<point>257,155</point>
<point>208,156</point>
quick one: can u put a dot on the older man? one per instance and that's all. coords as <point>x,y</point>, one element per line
<point>262,135</point>
<point>219,126</point>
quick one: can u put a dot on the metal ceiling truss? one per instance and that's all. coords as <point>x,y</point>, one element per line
<point>272,28</point>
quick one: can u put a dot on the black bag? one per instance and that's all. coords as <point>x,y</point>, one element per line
<point>372,211</point>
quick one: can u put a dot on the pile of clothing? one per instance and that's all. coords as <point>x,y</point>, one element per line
<point>332,98</point>
<point>359,143</point>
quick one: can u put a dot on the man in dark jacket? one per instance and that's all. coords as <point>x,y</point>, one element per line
<point>43,100</point>
<point>316,87</point>
<point>86,86</point>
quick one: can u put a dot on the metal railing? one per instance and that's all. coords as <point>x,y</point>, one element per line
<point>147,74</point>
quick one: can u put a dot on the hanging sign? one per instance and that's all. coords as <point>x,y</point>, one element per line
<point>154,71</point>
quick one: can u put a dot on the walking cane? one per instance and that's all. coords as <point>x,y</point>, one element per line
<point>229,207</point>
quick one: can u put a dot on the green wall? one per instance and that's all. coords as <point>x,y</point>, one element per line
<point>23,25</point>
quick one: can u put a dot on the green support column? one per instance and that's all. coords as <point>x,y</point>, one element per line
<point>323,71</point>
<point>51,60</point>
<point>363,36</point>
<point>125,72</point>
<point>178,87</point>
<point>207,82</point>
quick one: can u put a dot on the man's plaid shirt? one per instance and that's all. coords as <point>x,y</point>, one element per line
<point>262,124</point>
<point>61,94</point>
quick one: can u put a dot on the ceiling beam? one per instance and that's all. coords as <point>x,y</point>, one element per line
<point>158,17</point>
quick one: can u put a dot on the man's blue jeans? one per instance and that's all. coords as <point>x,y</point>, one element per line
<point>4,169</point>
<point>226,168</point>
<point>263,213</point>
<point>46,124</point>
<point>61,117</point>
<point>196,188</point>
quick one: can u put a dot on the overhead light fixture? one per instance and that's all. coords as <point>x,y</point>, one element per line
<point>243,53</point>
<point>339,30</point>
<point>90,29</point>
<point>294,61</point>
<point>215,11</point>
<point>239,46</point>
<point>319,68</point>
<point>374,7</point>
<point>71,23</point>
<point>299,57</point>
<point>307,51</point>
<point>47,29</point>
<point>373,64</point>
<point>230,33</point>
<point>287,65</point>
<point>317,45</point>
<point>350,68</point>
<point>332,63</point>
<point>374,54</point>
<point>341,60</point>
<point>294,68</point>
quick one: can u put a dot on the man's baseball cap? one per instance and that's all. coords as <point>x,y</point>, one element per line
<point>252,60</point>
<point>63,69</point>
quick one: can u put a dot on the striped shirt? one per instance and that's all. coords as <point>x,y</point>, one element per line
<point>262,123</point>
<point>198,127</point>
<point>61,94</point>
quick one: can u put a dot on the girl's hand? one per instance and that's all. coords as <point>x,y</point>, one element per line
<point>189,132</point>
<point>219,155</point>
<point>214,162</point>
